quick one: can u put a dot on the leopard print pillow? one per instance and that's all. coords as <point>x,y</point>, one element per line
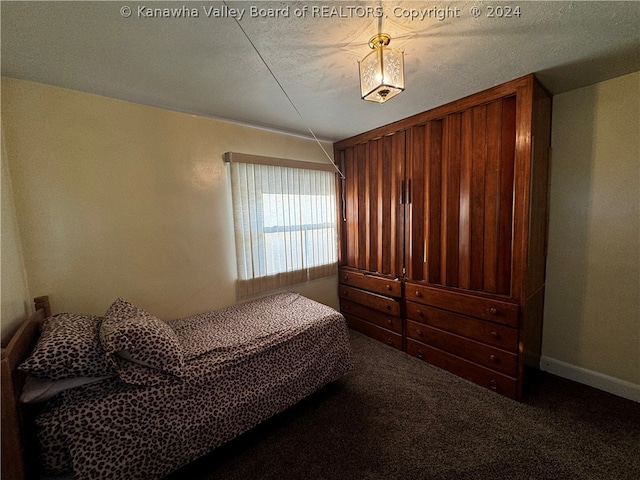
<point>143,349</point>
<point>69,346</point>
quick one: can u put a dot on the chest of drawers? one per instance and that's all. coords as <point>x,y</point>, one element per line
<point>472,336</point>
<point>371,304</point>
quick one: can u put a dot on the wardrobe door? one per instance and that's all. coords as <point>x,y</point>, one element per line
<point>372,233</point>
<point>461,175</point>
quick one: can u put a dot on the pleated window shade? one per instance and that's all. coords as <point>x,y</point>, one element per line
<point>285,224</point>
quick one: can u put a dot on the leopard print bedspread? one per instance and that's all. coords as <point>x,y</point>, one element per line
<point>243,365</point>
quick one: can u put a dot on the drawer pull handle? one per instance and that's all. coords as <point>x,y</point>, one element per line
<point>346,277</point>
<point>419,332</point>
<point>389,321</point>
<point>418,294</point>
<point>347,307</point>
<point>345,292</point>
<point>494,385</point>
<point>387,306</point>
<point>420,313</point>
<point>493,310</point>
<point>389,341</point>
<point>420,355</point>
<point>495,334</point>
<point>388,287</point>
<point>493,358</point>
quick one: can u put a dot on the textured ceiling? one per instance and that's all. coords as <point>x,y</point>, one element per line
<point>205,65</point>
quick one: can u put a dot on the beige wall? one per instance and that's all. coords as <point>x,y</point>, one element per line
<point>592,305</point>
<point>119,199</point>
<point>15,304</point>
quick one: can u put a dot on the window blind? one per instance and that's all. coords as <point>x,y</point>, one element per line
<point>284,222</point>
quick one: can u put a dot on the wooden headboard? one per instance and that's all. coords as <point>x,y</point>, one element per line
<point>13,423</point>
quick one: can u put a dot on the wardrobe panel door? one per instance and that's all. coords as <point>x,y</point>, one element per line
<point>424,203</point>
<point>349,230</point>
<point>373,243</point>
<point>373,231</point>
<point>506,196</point>
<point>460,211</point>
<point>451,171</point>
<point>486,192</point>
<point>466,174</point>
<point>355,219</point>
<point>477,194</point>
<point>415,219</point>
<point>433,206</point>
<point>394,193</point>
<point>362,201</point>
<point>492,197</point>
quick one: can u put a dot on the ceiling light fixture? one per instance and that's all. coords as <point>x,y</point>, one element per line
<point>382,71</point>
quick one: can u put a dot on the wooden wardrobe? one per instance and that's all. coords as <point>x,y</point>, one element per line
<point>443,234</point>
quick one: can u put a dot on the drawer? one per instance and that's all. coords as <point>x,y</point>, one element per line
<point>491,333</point>
<point>477,352</point>
<point>373,316</point>
<point>485,377</point>
<point>473,305</point>
<point>369,329</point>
<point>371,300</point>
<point>374,283</point>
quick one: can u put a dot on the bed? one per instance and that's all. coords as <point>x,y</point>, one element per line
<point>138,397</point>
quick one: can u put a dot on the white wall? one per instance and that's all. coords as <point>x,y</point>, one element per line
<point>592,305</point>
<point>118,199</point>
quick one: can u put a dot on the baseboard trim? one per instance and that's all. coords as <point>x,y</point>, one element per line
<point>597,380</point>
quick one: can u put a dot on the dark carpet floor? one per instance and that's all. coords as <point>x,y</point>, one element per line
<point>396,417</point>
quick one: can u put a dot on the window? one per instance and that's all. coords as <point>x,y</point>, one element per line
<point>285,225</point>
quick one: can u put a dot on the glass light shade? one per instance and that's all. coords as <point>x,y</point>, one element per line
<point>382,74</point>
